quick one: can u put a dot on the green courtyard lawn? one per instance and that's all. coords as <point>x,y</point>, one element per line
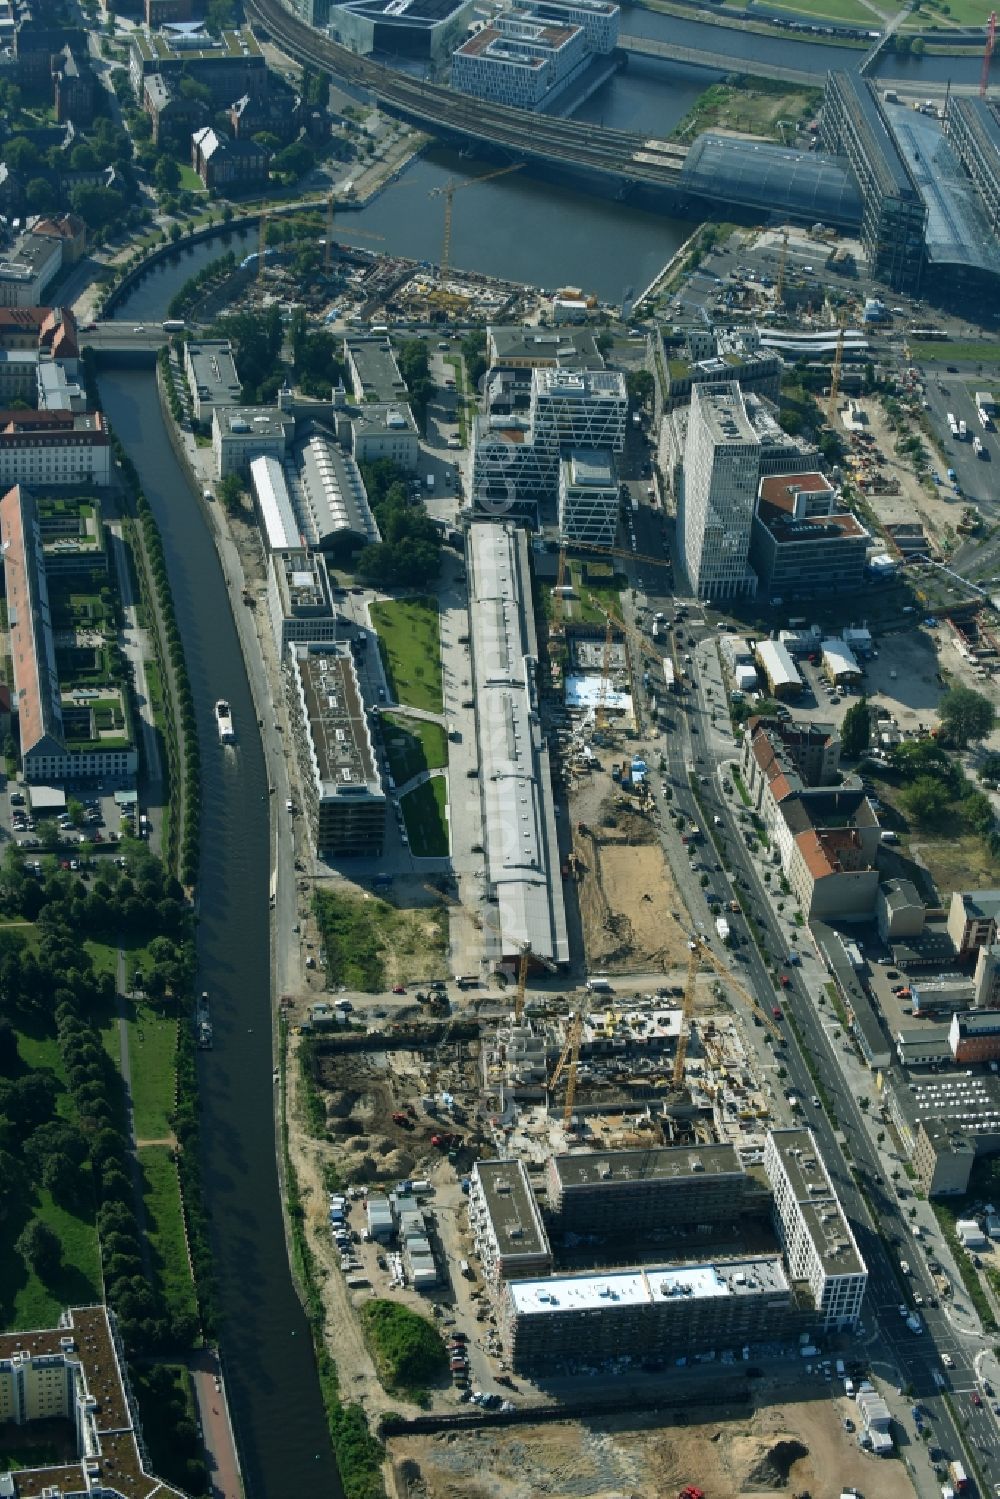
<point>152,1051</point>
<point>165,1224</point>
<point>851,11</point>
<point>425,812</point>
<point>413,745</point>
<point>410,644</point>
<point>25,1300</point>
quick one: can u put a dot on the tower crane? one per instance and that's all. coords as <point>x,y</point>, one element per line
<point>448,191</point>
<point>779,285</point>
<point>522,979</point>
<point>991,36</point>
<point>600,712</point>
<point>700,951</point>
<point>261,243</point>
<point>593,546</point>
<point>838,360</point>
<point>328,247</point>
<point>569,1057</point>
<point>687,1009</point>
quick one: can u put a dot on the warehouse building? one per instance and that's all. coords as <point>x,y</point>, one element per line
<point>783,681</point>
<point>839,664</point>
<point>894,216</point>
<point>345,805</point>
<point>276,518</point>
<point>329,496</point>
<point>521,847</point>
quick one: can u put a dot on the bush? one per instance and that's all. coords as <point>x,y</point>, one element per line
<point>408,1350</point>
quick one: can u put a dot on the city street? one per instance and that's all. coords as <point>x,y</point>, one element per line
<point>698,743</point>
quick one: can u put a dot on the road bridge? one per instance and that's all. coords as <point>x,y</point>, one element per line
<point>722,62</point>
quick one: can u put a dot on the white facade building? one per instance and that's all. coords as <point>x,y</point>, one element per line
<point>299,598</point>
<point>599,19</point>
<point>588,497</point>
<point>577,409</point>
<point>28,268</point>
<point>519,60</point>
<point>54,447</point>
<point>721,472</point>
<point>814,1232</point>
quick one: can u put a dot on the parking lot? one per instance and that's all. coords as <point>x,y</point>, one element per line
<point>89,817</point>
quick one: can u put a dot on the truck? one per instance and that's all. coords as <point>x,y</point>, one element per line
<point>430,483</point>
<point>722,927</point>
<point>977,447</point>
<point>958,1476</point>
<point>173,325</point>
<point>952,424</point>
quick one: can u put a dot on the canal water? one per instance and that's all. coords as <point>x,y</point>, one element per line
<point>271,1378</point>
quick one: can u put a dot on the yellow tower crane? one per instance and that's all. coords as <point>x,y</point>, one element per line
<point>522,980</point>
<point>448,191</point>
<point>838,360</point>
<point>779,285</point>
<point>355,234</point>
<point>569,1057</point>
<point>262,243</point>
<point>727,977</point>
<point>687,1010</point>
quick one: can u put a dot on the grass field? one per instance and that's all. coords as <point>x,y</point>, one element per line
<point>970,352</point>
<point>945,14</point>
<point>412,746</point>
<point>26,1301</point>
<point>755,108</point>
<point>425,811</point>
<point>190,181</point>
<point>152,1047</point>
<point>851,11</point>
<point>369,942</point>
<point>162,1200</point>
<point>410,643</point>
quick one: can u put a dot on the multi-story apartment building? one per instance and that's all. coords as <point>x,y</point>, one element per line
<point>599,19</point>
<point>817,1238</point>
<point>588,497</point>
<point>975,1037</point>
<point>721,470</point>
<point>973,919</point>
<point>506,1223</point>
<point>345,805</point>
<point>894,216</point>
<point>649,1195</point>
<point>58,741</point>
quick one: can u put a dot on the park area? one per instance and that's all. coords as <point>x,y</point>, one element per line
<point>759,108</point>
<point>412,745</point>
<point>410,644</point>
<point>425,812</point>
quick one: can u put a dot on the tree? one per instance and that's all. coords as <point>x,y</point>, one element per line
<point>989,767</point>
<point>40,1248</point>
<point>22,155</point>
<point>977,811</point>
<point>166,175</point>
<point>965,716</point>
<point>640,386</point>
<point>855,731</point>
<point>41,195</point>
<point>927,801</point>
<point>230,492</point>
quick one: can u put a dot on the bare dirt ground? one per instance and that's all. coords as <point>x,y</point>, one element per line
<point>915,502</point>
<point>783,1450</point>
<point>626,892</point>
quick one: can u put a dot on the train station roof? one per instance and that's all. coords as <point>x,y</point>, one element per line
<point>772,178</point>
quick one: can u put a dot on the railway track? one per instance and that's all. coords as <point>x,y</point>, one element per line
<point>442,111</point>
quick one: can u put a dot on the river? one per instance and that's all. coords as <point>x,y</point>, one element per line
<point>271,1379</point>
